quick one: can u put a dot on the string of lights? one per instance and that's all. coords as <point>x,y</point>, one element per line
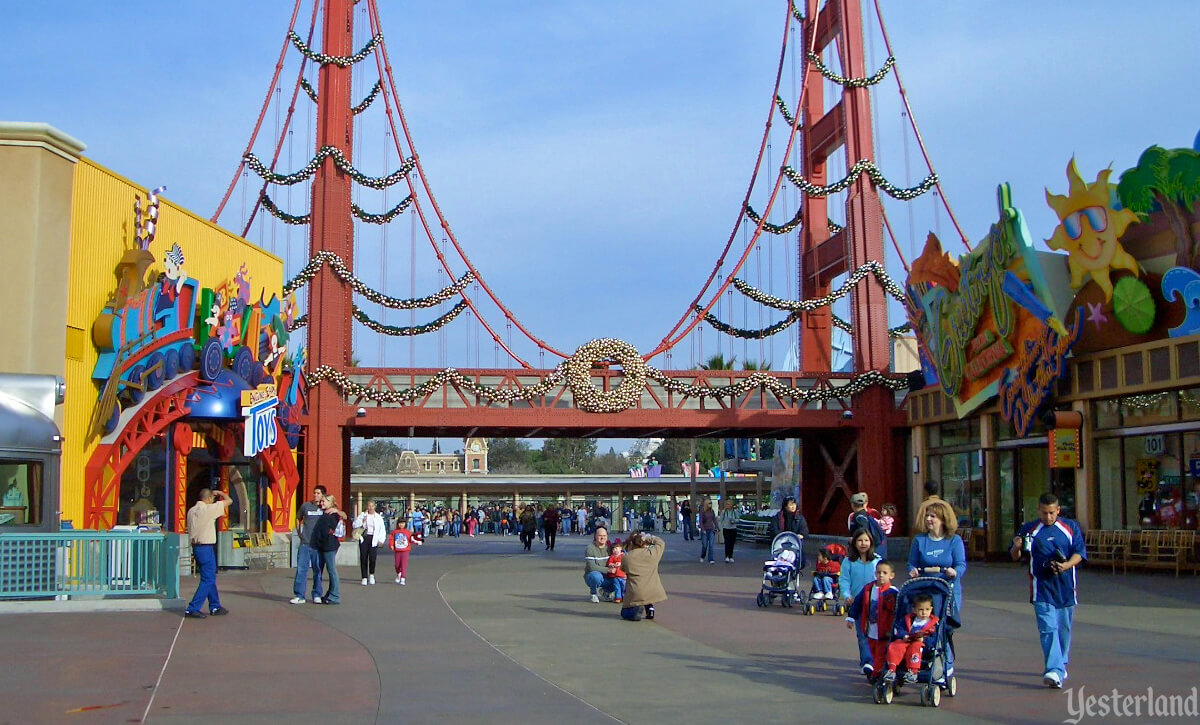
<point>873,268</point>
<point>344,273</point>
<point>872,171</point>
<point>783,109</point>
<point>851,82</point>
<point>893,332</point>
<point>775,228</point>
<point>760,334</point>
<point>576,372</point>
<point>366,102</point>
<point>341,61</point>
<point>374,182</point>
<point>432,326</point>
<point>269,204</point>
<point>308,89</point>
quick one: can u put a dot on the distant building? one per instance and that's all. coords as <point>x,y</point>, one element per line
<point>473,460</point>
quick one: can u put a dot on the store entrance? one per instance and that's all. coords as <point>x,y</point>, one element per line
<point>1025,475</point>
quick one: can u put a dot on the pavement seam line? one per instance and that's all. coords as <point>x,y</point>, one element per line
<point>163,671</point>
<point>509,657</point>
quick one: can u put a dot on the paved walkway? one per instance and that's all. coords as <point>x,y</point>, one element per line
<point>483,630</point>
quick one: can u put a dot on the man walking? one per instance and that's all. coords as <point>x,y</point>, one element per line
<point>1055,547</point>
<point>202,530</point>
<point>306,556</point>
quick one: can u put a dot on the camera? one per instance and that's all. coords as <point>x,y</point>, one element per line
<point>848,414</point>
<point>1056,558</point>
<point>361,412</point>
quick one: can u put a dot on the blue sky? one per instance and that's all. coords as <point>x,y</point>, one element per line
<point>591,157</point>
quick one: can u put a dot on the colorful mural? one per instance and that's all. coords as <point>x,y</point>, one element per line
<point>973,315</point>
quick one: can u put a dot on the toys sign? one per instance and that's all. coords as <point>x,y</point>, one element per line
<point>258,408</point>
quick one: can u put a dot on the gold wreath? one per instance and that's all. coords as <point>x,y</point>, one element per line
<point>579,376</point>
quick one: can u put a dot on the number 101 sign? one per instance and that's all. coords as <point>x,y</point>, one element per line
<point>258,408</point>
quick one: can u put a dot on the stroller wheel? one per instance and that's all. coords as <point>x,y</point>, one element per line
<point>786,600</point>
<point>808,609</point>
<point>889,692</point>
<point>877,695</point>
<point>934,696</point>
<point>924,699</point>
<point>761,600</point>
<point>951,686</point>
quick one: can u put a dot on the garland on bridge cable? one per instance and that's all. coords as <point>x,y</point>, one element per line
<point>374,182</point>
<point>894,333</point>
<point>340,61</point>
<point>449,376</point>
<point>787,116</point>
<point>355,209</point>
<point>312,92</point>
<point>344,273</point>
<point>873,268</point>
<point>858,169</point>
<point>576,372</point>
<point>433,326</point>
<point>719,326</point>
<point>851,82</point>
<point>770,228</point>
<point>362,105</point>
<point>797,14</point>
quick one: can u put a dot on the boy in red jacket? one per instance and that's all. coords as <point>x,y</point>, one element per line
<point>910,636</point>
<point>874,612</point>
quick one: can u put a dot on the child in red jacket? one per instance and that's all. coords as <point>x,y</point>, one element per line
<point>616,575</point>
<point>824,575</point>
<point>400,541</point>
<point>910,636</point>
<point>874,612</point>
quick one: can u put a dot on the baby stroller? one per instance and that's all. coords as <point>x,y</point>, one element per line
<point>832,604</point>
<point>932,678</point>
<point>781,575</point>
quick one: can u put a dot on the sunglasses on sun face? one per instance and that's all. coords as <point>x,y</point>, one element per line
<point>1097,217</point>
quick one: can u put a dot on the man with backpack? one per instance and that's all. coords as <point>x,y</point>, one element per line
<point>861,518</point>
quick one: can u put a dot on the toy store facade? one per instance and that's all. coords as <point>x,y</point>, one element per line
<point>172,336</point>
<point>1076,373</point>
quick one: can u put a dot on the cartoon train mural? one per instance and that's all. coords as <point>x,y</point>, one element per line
<point>176,361</point>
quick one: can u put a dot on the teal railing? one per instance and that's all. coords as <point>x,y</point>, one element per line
<point>92,563</point>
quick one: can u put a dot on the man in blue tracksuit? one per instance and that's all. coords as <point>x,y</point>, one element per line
<point>1055,547</point>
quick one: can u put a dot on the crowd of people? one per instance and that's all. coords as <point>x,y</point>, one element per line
<point>889,641</point>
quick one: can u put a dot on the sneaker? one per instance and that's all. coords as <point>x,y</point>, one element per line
<point>889,676</point>
<point>219,611</point>
<point>332,603</point>
<point>595,599</point>
<point>194,615</point>
<point>364,582</point>
<point>702,560</point>
<point>731,560</point>
<point>649,611</point>
<point>397,579</point>
<point>910,677</point>
<point>317,600</point>
<point>869,671</point>
<point>1051,679</point>
<point>618,600</point>
<point>371,579</point>
<point>298,600</point>
<point>710,561</point>
<point>402,581</point>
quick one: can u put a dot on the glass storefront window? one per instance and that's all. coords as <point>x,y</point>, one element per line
<point>955,433</point>
<point>1106,414</point>
<point>1151,409</point>
<point>1110,483</point>
<point>1157,490</point>
<point>144,486</point>
<point>1189,404</point>
<point>962,486</point>
<point>22,493</point>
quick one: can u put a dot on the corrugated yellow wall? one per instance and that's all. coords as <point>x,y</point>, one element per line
<point>102,229</point>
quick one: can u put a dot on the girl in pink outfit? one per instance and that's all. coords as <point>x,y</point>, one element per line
<point>888,519</point>
<point>400,541</point>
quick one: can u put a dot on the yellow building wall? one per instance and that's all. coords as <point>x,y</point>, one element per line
<point>102,229</point>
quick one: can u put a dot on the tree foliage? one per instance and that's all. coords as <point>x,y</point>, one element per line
<point>674,451</point>
<point>718,362</point>
<point>1168,180</point>
<point>509,455</point>
<point>379,456</point>
<point>609,464</point>
<point>566,455</point>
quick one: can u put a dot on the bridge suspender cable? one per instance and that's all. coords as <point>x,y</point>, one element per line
<point>263,113</point>
<point>912,120</point>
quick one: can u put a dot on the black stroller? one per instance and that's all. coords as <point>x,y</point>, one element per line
<point>932,678</point>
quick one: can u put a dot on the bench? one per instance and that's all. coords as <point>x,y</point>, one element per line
<point>1162,549</point>
<point>1108,547</point>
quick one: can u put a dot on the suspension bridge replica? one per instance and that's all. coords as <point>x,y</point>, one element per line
<point>831,230</point>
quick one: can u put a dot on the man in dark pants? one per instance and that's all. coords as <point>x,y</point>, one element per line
<point>202,530</point>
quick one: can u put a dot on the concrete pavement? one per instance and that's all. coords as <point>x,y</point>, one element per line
<point>484,631</point>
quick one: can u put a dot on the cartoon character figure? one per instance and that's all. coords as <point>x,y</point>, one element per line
<point>172,280</point>
<point>1089,230</point>
<point>214,314</point>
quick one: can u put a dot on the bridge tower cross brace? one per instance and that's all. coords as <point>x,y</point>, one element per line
<point>825,255</point>
<point>327,443</point>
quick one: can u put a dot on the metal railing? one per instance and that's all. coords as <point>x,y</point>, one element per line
<point>92,563</point>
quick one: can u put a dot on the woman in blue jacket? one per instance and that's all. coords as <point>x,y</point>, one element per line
<point>939,551</point>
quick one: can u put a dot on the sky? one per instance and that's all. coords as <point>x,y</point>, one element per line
<point>591,158</point>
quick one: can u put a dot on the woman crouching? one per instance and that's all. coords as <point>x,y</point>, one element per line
<point>643,588</point>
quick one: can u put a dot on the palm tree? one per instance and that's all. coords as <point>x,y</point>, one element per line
<point>717,362</point>
<point>752,365</point>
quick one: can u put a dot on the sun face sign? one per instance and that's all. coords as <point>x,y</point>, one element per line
<point>1089,228</point>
